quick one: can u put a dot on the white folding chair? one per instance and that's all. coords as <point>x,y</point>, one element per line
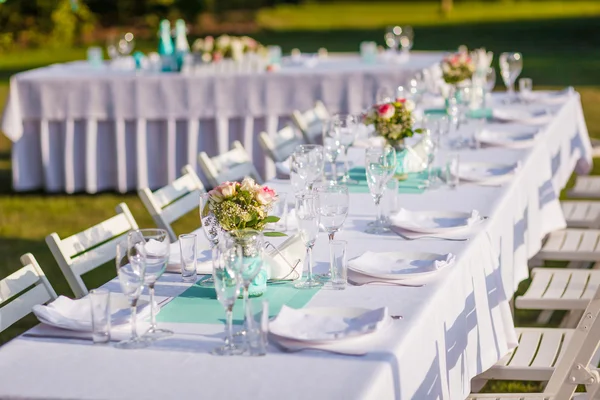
<point>39,291</point>
<point>311,122</point>
<point>581,213</point>
<point>282,145</point>
<point>168,204</point>
<point>586,187</point>
<point>87,250</point>
<point>560,356</point>
<point>231,166</point>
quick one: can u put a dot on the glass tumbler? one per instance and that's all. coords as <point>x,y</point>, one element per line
<point>189,257</point>
<point>339,265</point>
<point>100,308</point>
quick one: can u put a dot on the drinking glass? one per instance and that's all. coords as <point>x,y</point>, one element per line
<point>338,266</point>
<point>189,257</point>
<point>280,209</point>
<point>210,227</point>
<point>390,200</point>
<point>380,164</point>
<point>308,227</point>
<point>511,65</point>
<point>384,95</point>
<point>308,161</point>
<point>345,127</point>
<point>439,126</point>
<point>525,88</point>
<point>332,203</point>
<point>391,37</point>
<point>417,88</point>
<point>112,45</point>
<point>490,79</point>
<point>131,268</point>
<point>100,306</point>
<point>155,246</point>
<point>258,336</point>
<point>452,168</point>
<point>252,245</point>
<point>405,37</point>
<point>126,44</point>
<point>332,146</point>
<point>463,99</point>
<point>226,262</point>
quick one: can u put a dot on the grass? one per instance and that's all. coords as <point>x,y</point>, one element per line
<point>558,51</point>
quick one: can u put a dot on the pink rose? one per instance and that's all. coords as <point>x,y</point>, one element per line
<point>265,195</point>
<point>386,111</point>
<point>216,195</point>
<point>401,100</point>
<point>217,56</point>
<point>228,189</point>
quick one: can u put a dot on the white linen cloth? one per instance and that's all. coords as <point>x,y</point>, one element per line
<point>453,328</point>
<point>307,326</point>
<point>523,116</point>
<point>434,222</point>
<point>78,128</point>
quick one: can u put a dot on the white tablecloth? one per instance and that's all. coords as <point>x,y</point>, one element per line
<point>76,128</point>
<point>453,328</point>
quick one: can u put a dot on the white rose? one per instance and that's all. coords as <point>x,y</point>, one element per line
<point>248,184</point>
<point>410,105</point>
<point>228,189</point>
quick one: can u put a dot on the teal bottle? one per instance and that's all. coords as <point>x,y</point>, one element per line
<point>182,47</point>
<point>165,46</point>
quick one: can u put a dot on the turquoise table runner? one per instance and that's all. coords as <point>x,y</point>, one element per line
<point>412,185</point>
<point>199,305</point>
<point>480,113</point>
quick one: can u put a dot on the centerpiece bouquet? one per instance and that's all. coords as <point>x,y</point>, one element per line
<point>457,67</point>
<point>393,121</point>
<point>226,46</point>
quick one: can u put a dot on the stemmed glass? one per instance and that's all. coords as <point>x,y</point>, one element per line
<point>154,243</point>
<point>384,95</point>
<point>226,263</point>
<point>332,203</point>
<point>406,38</point>
<point>345,127</point>
<point>126,44</point>
<point>391,37</point>
<point>210,227</point>
<point>130,270</point>
<point>490,82</point>
<point>308,161</point>
<point>332,146</point>
<point>431,147</point>
<point>308,227</point>
<point>380,164</point>
<point>511,65</point>
<point>252,245</point>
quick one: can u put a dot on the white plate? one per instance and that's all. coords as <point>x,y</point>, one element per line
<point>326,324</point>
<point>529,117</point>
<point>433,221</point>
<point>486,173</point>
<point>400,265</point>
<point>515,140</point>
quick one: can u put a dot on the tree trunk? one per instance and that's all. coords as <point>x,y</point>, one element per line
<point>446,6</point>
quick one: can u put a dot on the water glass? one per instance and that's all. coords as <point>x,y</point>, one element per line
<point>95,56</point>
<point>391,199</point>
<point>308,228</point>
<point>280,209</point>
<point>380,165</point>
<point>452,168</point>
<point>525,88</point>
<point>511,65</point>
<point>100,306</point>
<point>333,147</point>
<point>338,264</point>
<point>259,328</point>
<point>308,161</point>
<point>345,129</point>
<point>189,257</point>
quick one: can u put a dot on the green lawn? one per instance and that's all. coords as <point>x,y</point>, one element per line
<point>564,50</point>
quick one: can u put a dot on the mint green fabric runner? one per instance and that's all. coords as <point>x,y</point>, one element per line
<point>480,113</point>
<point>199,304</point>
<point>412,185</point>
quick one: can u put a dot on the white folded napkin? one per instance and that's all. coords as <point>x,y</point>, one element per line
<point>490,174</point>
<point>427,222</point>
<point>548,97</point>
<point>515,140</point>
<point>303,325</point>
<point>77,315</point>
<point>527,117</point>
<point>395,263</point>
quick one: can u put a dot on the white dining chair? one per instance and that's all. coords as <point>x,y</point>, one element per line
<point>280,147</point>
<point>560,356</point>
<point>24,289</point>
<point>231,166</point>
<point>586,187</point>
<point>581,213</point>
<point>310,122</point>
<point>87,250</point>
<point>167,204</point>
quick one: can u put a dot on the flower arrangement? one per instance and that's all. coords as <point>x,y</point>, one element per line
<point>243,205</point>
<point>225,46</point>
<point>393,121</point>
<point>457,67</point>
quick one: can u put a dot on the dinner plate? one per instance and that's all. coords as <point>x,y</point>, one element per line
<point>486,173</point>
<point>327,324</point>
<point>434,221</point>
<point>399,265</point>
<point>523,116</point>
<point>515,140</point>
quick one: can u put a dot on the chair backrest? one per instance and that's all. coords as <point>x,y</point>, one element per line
<point>311,122</point>
<point>169,203</point>
<point>39,291</point>
<point>91,248</point>
<point>282,145</point>
<point>573,367</point>
<point>231,166</point>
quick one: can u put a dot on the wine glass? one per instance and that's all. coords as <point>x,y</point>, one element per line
<point>332,146</point>
<point>130,270</point>
<point>391,37</point>
<point>430,147</point>
<point>154,243</point>
<point>405,37</point>
<point>511,65</point>
<point>308,228</point>
<point>126,44</point>
<point>226,261</point>
<point>251,243</point>
<point>345,127</point>
<point>112,47</point>
<point>490,80</point>
<point>384,95</point>
<point>417,88</point>
<point>439,125</point>
<point>380,164</point>
<point>308,161</point>
<point>210,227</point>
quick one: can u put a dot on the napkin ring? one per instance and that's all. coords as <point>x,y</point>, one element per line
<point>293,266</point>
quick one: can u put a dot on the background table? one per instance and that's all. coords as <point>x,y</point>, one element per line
<point>453,328</point>
<point>76,128</point>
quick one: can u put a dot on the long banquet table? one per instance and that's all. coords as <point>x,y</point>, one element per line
<point>453,328</point>
<point>77,128</point>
